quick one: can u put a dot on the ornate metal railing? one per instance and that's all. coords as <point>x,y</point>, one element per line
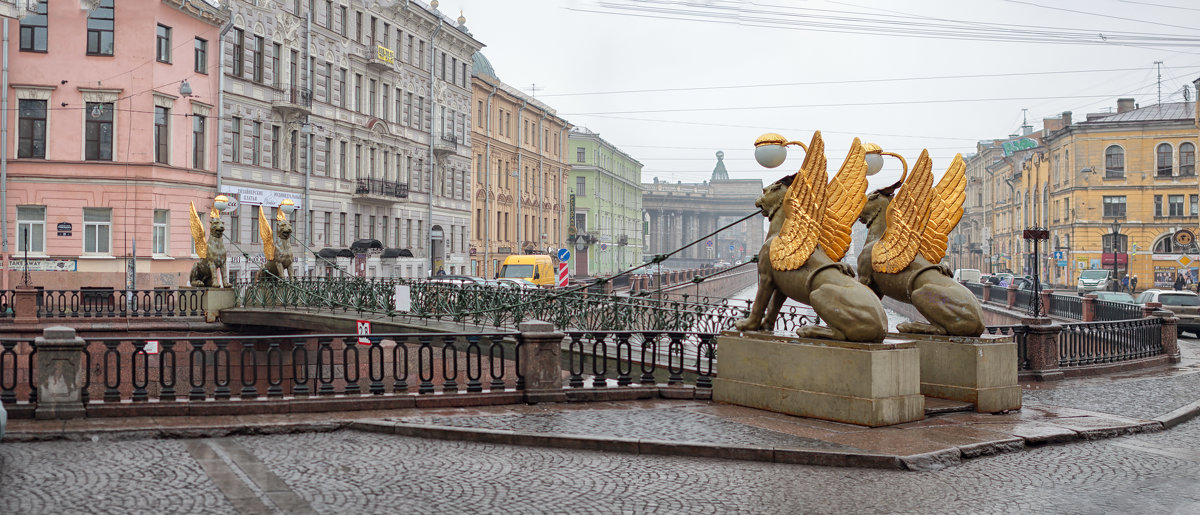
<point>622,358</point>
<point>16,363</point>
<point>121,303</point>
<point>997,294</point>
<point>977,289</point>
<point>1066,306</point>
<point>1023,300</point>
<point>1019,333</point>
<point>1089,343</point>
<point>1110,311</point>
<point>254,367</point>
<point>381,187</point>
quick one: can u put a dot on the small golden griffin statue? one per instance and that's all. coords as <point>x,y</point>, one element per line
<point>277,247</point>
<point>905,245</point>
<point>210,270</point>
<point>809,234</point>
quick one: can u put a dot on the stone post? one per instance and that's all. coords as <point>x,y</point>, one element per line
<point>1170,334</point>
<point>25,305</point>
<point>1149,308</point>
<point>1041,348</point>
<point>1012,297</point>
<point>1089,307</point>
<point>541,361</point>
<point>59,374</point>
<point>1046,297</point>
<point>987,293</point>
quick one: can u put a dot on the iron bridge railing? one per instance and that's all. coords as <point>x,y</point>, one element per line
<point>107,303</point>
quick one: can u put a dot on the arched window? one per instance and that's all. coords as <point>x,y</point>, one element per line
<point>1187,159</point>
<point>1163,155</point>
<point>1166,245</point>
<point>1114,162</point>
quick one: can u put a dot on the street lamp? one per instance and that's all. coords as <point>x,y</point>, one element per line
<point>1116,236</point>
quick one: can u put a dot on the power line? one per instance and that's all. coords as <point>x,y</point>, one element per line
<point>1109,16</point>
<point>838,104</point>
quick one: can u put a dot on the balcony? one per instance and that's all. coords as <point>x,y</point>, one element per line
<point>378,189</point>
<point>446,144</point>
<point>379,58</point>
<point>288,100</point>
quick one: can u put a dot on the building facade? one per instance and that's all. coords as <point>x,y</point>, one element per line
<point>605,197</point>
<point>358,112</point>
<point>1113,190</point>
<point>113,112</point>
<point>520,177</point>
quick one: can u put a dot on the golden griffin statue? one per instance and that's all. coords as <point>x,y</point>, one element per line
<point>906,241</point>
<point>277,246</point>
<point>810,221</point>
<point>210,270</point>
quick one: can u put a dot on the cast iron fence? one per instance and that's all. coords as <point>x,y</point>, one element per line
<point>17,357</point>
<point>1019,334</point>
<point>621,358</point>
<point>1066,306</point>
<point>1090,343</point>
<point>1110,311</point>
<point>977,289</point>
<point>997,294</point>
<point>107,303</point>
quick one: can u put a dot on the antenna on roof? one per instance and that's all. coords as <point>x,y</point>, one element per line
<point>1158,64</point>
<point>533,89</point>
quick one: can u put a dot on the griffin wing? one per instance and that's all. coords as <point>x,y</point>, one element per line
<point>844,200</point>
<point>802,211</point>
<point>198,234</point>
<point>945,210</point>
<point>268,238</point>
<point>906,218</point>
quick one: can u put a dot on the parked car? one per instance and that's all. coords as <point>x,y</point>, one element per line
<point>513,282</point>
<point>1094,280</point>
<point>967,275</point>
<point>1114,296</point>
<point>1184,304</point>
<point>1026,283</point>
<point>1003,278</point>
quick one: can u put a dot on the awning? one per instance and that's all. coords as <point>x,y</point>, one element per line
<point>365,244</point>
<point>395,253</point>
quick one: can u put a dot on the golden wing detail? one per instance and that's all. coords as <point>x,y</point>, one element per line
<point>906,217</point>
<point>945,210</point>
<point>198,234</point>
<point>264,232</point>
<point>802,210</point>
<point>844,201</point>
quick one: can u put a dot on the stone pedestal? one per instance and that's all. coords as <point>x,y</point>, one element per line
<point>25,305</point>
<point>216,299</point>
<point>982,371</point>
<point>869,384</point>
<point>59,374</point>
<point>541,362</point>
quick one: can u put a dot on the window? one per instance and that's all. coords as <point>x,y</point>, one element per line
<point>342,87</point>
<point>254,223</point>
<point>256,59</point>
<point>162,138</point>
<point>358,26</point>
<point>1175,203</point>
<point>239,56</point>
<point>100,29</point>
<point>479,115</point>
<point>358,92</point>
<point>236,135</point>
<point>358,167</point>
<point>98,131</point>
<point>198,141</point>
<point>342,159</point>
<point>399,105</point>
<point>371,227</point>
<point>31,129</point>
<point>419,120</point>
<point>581,186</point>
<point>1193,205</point>
<point>342,230</point>
<point>1163,153</point>
<point>371,97</point>
<point>163,53</point>
<point>329,83</point>
<point>256,143</point>
<point>234,230</point>
<point>329,157</point>
<point>201,56</point>
<point>1114,162</point>
<point>158,243</point>
<point>407,107</point>
<point>1114,206</point>
<point>31,229</point>
<point>293,156</point>
<point>33,29</point>
<point>97,230</point>
<point>276,148</point>
<point>1158,206</point>
<point>1187,159</point>
<point>580,155</point>
<point>328,239</point>
<point>329,14</point>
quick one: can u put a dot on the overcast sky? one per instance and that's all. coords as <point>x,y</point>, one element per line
<point>671,82</point>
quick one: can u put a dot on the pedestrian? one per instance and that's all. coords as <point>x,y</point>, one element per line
<point>1178,282</point>
<point>441,271</point>
<point>1125,282</point>
<point>1133,284</point>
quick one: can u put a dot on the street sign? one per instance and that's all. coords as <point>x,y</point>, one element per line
<point>562,274</point>
<point>1058,254</point>
<point>364,327</point>
<point>1062,262</point>
<point>731,248</point>
<point>1184,260</point>
<point>564,255</point>
<point>708,243</point>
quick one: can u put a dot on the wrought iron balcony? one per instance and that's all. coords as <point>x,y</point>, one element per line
<point>379,58</point>
<point>446,144</point>
<point>381,188</point>
<point>290,99</point>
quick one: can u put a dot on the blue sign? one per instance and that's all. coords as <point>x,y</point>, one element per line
<point>564,254</point>
<point>1058,254</point>
<point>1062,262</point>
<point>731,248</point>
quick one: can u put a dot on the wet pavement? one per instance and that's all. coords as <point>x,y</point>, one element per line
<point>1096,445</point>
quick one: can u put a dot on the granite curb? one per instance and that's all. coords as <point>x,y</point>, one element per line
<point>1179,416</point>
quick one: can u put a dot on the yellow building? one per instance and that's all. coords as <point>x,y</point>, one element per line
<point>518,200</point>
<point>1113,190</point>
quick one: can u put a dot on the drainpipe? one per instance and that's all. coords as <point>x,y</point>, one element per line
<point>432,160</point>
<point>541,178</point>
<point>487,188</point>
<point>520,140</point>
<point>308,157</point>
<point>4,154</point>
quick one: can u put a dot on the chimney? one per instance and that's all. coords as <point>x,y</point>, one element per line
<point>1050,125</point>
<point>1066,117</point>
<point>1125,105</point>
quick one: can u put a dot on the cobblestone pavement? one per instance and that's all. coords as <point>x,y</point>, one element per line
<point>353,472</point>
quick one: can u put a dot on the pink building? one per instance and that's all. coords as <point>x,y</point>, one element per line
<point>111,131</point>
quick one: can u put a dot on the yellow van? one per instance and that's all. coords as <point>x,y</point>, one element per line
<point>535,268</point>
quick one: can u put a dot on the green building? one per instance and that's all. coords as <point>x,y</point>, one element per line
<point>605,196</point>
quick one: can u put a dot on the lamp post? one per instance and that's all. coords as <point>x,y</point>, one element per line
<point>1116,245</point>
<point>1036,234</point>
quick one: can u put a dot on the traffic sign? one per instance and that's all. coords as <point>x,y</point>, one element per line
<point>731,248</point>
<point>1058,254</point>
<point>708,243</point>
<point>562,273</point>
<point>364,328</point>
<point>1184,260</point>
<point>564,254</point>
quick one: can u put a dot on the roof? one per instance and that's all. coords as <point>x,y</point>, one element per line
<point>481,66</point>
<point>1156,113</point>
